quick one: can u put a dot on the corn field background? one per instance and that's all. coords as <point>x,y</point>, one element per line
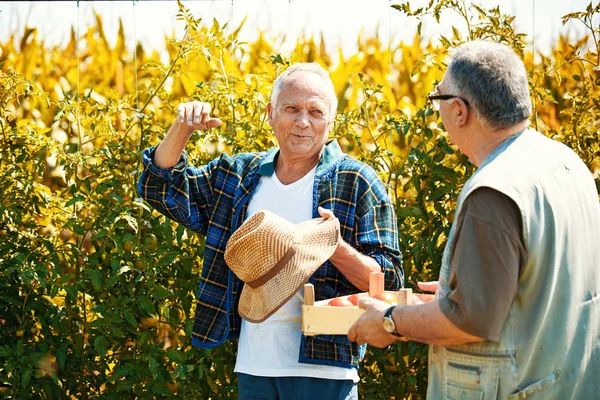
<point>97,290</point>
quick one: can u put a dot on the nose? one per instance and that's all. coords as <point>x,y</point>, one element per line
<point>302,119</point>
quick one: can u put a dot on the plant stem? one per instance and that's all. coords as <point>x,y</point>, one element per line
<point>180,54</point>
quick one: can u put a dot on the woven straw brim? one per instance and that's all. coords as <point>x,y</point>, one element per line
<point>318,243</point>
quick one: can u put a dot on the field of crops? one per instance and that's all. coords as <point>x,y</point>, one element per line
<point>97,290</point>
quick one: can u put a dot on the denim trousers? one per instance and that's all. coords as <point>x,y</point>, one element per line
<point>252,387</point>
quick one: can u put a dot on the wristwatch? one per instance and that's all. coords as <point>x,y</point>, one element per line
<point>388,322</point>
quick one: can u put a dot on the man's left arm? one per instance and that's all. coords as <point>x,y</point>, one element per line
<point>423,322</point>
<point>375,247</point>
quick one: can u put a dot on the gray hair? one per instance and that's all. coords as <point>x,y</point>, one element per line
<point>311,67</point>
<point>494,80</point>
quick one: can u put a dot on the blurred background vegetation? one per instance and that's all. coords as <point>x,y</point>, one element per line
<point>97,290</point>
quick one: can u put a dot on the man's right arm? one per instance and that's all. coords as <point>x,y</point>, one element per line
<point>167,184</point>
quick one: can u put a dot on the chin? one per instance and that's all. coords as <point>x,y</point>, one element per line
<point>300,149</point>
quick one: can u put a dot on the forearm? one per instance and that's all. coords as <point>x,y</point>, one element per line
<point>426,323</point>
<point>356,267</point>
<point>169,151</point>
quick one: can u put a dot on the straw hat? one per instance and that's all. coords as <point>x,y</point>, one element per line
<point>275,257</point>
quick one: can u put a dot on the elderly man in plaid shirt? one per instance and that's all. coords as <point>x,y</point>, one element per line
<point>307,176</point>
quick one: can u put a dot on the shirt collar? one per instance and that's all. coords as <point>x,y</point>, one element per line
<point>331,154</point>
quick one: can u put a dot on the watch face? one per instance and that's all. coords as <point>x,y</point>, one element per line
<point>389,325</point>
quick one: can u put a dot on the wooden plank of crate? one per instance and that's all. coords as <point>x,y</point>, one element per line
<point>309,294</point>
<point>405,296</point>
<point>327,320</point>
<point>376,283</point>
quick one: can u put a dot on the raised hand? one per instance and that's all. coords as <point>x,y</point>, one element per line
<point>191,116</point>
<point>195,115</point>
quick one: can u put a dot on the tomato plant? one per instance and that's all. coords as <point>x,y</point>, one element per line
<point>98,291</point>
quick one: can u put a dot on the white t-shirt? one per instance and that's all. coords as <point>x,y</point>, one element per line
<point>271,348</point>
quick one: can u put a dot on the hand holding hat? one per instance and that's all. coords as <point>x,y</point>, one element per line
<point>275,258</point>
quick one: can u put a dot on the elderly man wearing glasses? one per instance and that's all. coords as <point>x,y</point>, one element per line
<point>517,306</point>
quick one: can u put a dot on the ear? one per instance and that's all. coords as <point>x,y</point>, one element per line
<point>461,112</point>
<point>330,125</point>
<point>270,113</point>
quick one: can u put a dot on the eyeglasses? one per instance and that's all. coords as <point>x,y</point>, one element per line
<point>435,98</point>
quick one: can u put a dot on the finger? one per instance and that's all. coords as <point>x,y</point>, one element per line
<point>422,298</point>
<point>425,297</point>
<point>360,339</point>
<point>364,303</point>
<point>205,112</point>
<point>352,334</point>
<point>189,113</point>
<point>198,113</point>
<point>181,113</point>
<point>373,302</point>
<point>325,213</point>
<point>428,286</point>
<point>213,123</point>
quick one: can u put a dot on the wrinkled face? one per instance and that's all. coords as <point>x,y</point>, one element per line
<point>302,120</point>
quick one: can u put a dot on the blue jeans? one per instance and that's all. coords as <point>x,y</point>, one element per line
<point>252,387</point>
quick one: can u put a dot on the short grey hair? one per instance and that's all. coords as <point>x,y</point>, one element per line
<point>494,80</point>
<point>311,67</point>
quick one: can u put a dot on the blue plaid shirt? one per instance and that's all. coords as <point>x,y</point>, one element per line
<point>213,200</point>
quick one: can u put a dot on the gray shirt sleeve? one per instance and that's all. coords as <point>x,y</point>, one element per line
<point>487,258</point>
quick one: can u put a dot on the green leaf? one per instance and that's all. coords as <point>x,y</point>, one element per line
<point>119,373</point>
<point>175,356</point>
<point>132,222</point>
<point>61,356</point>
<point>130,317</point>
<point>100,345</point>
<point>73,200</point>
<point>26,377</point>
<point>153,364</point>
<point>159,292</point>
<point>117,331</point>
<point>20,348</point>
<point>147,305</point>
<point>160,388</point>
<point>438,157</point>
<point>115,263</point>
<point>96,278</point>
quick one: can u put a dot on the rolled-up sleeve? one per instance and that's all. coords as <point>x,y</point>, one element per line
<point>377,237</point>
<point>182,193</point>
<point>376,232</point>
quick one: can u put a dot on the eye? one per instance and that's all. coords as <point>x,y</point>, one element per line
<point>291,109</point>
<point>316,113</point>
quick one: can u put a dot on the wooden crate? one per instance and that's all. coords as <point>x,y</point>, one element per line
<point>318,318</point>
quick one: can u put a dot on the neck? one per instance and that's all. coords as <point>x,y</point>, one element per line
<point>290,170</point>
<point>486,140</point>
